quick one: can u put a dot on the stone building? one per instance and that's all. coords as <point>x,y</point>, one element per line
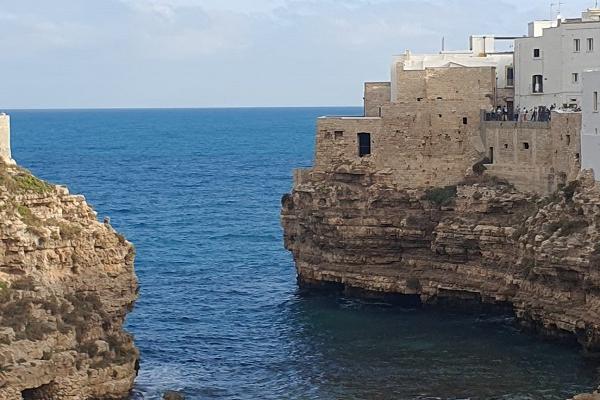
<point>5,154</point>
<point>590,134</point>
<point>427,128</point>
<point>550,61</point>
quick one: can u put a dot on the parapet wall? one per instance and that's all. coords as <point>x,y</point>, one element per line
<point>5,153</point>
<point>535,156</point>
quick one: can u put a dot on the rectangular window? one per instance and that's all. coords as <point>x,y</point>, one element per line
<point>537,84</point>
<point>596,101</point>
<point>338,134</point>
<point>510,76</point>
<point>536,53</point>
<point>590,44</point>
<point>575,77</point>
<point>577,45</point>
<point>364,144</point>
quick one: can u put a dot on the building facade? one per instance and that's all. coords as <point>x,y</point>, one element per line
<point>550,61</point>
<point>590,134</point>
<point>5,153</point>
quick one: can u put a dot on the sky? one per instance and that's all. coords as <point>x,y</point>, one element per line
<point>230,53</point>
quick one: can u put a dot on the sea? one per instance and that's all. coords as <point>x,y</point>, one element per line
<point>220,316</point>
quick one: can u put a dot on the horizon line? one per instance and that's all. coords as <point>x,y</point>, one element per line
<point>169,108</point>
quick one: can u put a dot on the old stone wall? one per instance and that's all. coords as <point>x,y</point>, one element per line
<point>5,153</point>
<point>429,137</point>
<point>377,94</point>
<point>535,156</point>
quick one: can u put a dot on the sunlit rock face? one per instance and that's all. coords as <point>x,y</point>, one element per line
<point>478,243</point>
<point>66,283</point>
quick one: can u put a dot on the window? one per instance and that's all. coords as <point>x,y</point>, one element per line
<point>537,84</point>
<point>364,144</point>
<point>568,140</point>
<point>525,146</point>
<point>465,120</point>
<point>510,76</point>
<point>590,44</point>
<point>577,45</point>
<point>575,77</point>
<point>595,100</point>
<point>338,134</point>
<point>536,53</point>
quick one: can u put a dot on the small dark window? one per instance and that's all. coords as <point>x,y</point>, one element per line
<point>525,145</point>
<point>577,156</point>
<point>364,144</point>
<point>491,155</point>
<point>440,115</point>
<point>537,84</point>
<point>536,53</point>
<point>339,134</point>
<point>419,98</point>
<point>568,140</point>
<point>465,120</point>
<point>506,145</point>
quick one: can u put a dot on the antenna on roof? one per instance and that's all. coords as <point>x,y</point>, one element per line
<point>558,5</point>
<point>443,44</point>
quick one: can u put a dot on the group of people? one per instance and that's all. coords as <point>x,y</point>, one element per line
<point>541,114</point>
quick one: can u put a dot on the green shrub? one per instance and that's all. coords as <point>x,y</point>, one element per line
<point>441,196</point>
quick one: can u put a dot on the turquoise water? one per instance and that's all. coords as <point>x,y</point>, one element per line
<point>220,317</point>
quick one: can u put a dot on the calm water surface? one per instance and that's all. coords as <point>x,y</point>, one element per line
<point>219,317</point>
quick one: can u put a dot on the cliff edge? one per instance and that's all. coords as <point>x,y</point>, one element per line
<point>66,284</point>
<point>479,242</point>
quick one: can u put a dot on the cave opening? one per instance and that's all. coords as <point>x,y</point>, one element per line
<point>44,392</point>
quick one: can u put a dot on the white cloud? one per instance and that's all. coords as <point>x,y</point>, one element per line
<point>228,52</point>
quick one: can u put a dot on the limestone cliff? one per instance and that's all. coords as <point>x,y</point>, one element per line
<point>66,284</point>
<point>479,242</point>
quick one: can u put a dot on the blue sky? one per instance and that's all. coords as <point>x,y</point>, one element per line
<point>214,53</point>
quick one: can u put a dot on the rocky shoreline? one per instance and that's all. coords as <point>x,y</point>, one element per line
<point>481,242</point>
<point>67,282</point>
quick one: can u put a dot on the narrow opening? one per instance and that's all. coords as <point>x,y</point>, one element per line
<point>510,76</point>
<point>338,134</point>
<point>525,146</point>
<point>576,44</point>
<point>364,144</point>
<point>536,53</point>
<point>568,140</point>
<point>465,120</point>
<point>590,44</point>
<point>440,115</point>
<point>40,393</point>
<point>595,100</point>
<point>577,156</point>
<point>506,145</point>
<point>379,111</point>
<point>419,98</point>
<point>491,155</point>
<point>537,84</point>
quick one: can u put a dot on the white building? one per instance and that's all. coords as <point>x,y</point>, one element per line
<point>590,131</point>
<point>550,61</point>
<point>482,53</point>
<point>5,154</point>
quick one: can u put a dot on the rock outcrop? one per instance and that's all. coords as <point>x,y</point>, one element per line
<point>481,242</point>
<point>66,284</point>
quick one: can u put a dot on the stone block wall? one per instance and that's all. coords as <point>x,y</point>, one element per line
<point>535,156</point>
<point>377,94</point>
<point>5,153</point>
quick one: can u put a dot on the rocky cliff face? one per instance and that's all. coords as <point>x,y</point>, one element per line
<point>66,284</point>
<point>481,242</point>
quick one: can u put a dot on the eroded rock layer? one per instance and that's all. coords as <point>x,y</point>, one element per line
<point>66,284</point>
<point>481,241</point>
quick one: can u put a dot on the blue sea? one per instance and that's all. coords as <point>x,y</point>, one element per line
<point>220,316</point>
